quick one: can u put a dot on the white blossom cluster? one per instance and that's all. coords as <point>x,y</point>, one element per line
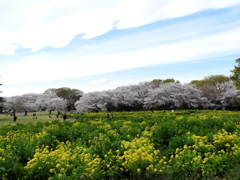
<point>35,102</point>
<point>144,96</point>
<point>157,96</point>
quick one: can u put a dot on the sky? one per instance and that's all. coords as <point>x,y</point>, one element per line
<point>98,45</point>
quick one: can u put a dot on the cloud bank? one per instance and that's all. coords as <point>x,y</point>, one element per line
<point>47,41</point>
<point>49,67</point>
<point>54,23</point>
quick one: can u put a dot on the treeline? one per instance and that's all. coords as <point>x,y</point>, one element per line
<point>213,92</point>
<point>157,94</point>
<point>61,99</point>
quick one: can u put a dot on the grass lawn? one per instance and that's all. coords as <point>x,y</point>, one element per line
<point>6,119</point>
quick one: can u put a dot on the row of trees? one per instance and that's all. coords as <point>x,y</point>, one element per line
<point>213,92</point>
<point>159,95</point>
<point>61,99</point>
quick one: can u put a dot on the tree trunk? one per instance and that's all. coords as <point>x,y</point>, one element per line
<point>14,116</point>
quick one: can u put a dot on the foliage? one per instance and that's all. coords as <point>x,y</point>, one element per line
<point>211,80</point>
<point>213,92</point>
<point>175,96</point>
<point>231,99</point>
<point>15,103</point>
<point>143,97</point>
<point>236,74</point>
<point>133,145</point>
<point>157,82</point>
<point>35,102</point>
<point>68,94</point>
<point>213,86</point>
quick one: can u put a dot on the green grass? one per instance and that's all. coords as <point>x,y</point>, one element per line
<point>6,119</point>
<point>132,145</point>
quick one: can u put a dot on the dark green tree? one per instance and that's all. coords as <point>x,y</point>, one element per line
<point>236,74</point>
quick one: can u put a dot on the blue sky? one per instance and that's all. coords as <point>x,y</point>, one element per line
<point>95,46</point>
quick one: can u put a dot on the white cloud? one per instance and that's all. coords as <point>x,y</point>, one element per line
<point>47,67</point>
<point>39,24</point>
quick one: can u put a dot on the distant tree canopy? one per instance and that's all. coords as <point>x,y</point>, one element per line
<point>212,92</point>
<point>1,102</point>
<point>15,103</point>
<point>213,86</point>
<point>236,74</point>
<point>211,81</point>
<point>35,102</point>
<point>68,94</point>
<point>157,82</point>
<point>170,80</point>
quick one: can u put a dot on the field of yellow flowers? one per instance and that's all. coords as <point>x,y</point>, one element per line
<point>131,145</point>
